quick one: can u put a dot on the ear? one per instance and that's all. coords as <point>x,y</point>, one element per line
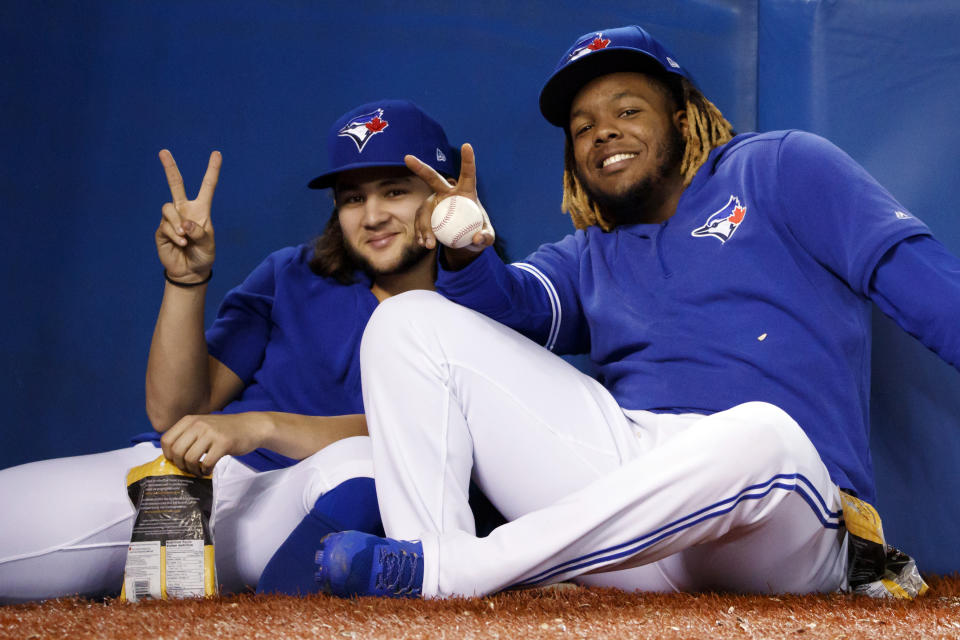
<point>680,121</point>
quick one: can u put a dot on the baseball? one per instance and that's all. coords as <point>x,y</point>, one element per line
<point>455,221</point>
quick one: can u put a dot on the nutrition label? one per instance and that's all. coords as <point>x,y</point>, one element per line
<point>185,568</point>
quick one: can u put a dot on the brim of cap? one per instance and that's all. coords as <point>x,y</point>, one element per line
<point>558,93</point>
<point>329,179</point>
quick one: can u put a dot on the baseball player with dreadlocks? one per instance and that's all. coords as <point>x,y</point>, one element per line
<point>721,286</point>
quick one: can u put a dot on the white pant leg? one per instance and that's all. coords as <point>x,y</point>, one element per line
<point>739,500</point>
<point>255,512</point>
<point>446,388</point>
<point>799,550</point>
<point>66,524</point>
<point>74,518</point>
<point>538,428</point>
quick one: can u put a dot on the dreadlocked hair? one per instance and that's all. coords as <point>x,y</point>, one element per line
<point>706,130</point>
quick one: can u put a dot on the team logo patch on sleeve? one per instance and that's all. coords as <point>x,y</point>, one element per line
<point>722,224</point>
<point>364,127</point>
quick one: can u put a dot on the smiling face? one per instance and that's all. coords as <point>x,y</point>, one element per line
<point>377,208</point>
<point>627,146</point>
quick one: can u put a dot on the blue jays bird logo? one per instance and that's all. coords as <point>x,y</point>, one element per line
<point>722,224</point>
<point>364,127</point>
<point>589,45</point>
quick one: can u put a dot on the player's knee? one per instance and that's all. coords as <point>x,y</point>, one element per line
<point>767,432</point>
<point>406,309</point>
<point>401,309</point>
<point>393,319</point>
<point>336,463</point>
<point>404,319</point>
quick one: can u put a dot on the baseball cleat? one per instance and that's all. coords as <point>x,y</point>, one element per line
<point>352,563</point>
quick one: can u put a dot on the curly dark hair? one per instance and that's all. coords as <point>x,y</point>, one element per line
<point>330,256</point>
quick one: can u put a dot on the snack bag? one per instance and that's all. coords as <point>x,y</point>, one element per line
<point>171,549</point>
<point>875,568</point>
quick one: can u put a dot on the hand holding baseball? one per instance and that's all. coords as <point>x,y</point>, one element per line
<point>453,215</point>
<point>185,236</point>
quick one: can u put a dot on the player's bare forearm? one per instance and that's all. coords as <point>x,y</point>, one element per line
<point>179,379</point>
<point>299,436</point>
<point>178,370</point>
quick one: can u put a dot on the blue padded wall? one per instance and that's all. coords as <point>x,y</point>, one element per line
<point>94,90</point>
<point>91,92</point>
<point>882,80</point>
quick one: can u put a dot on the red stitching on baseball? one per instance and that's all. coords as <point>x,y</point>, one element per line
<point>446,218</point>
<point>472,227</point>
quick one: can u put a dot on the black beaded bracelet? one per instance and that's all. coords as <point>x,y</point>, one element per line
<point>187,285</point>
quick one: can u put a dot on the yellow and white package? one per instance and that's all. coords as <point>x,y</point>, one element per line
<point>875,568</point>
<point>171,549</point>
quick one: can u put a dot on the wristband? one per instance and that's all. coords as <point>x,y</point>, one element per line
<point>187,285</point>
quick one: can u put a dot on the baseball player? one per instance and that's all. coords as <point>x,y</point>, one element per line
<point>721,286</point>
<point>276,378</point>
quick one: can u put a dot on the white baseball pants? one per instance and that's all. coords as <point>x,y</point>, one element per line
<point>67,522</point>
<point>738,500</point>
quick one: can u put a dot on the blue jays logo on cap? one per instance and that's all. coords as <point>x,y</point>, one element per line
<point>722,224</point>
<point>587,45</point>
<point>408,129</point>
<point>364,127</point>
<point>628,48</point>
<point>597,42</point>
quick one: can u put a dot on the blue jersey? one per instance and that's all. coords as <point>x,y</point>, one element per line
<point>755,289</point>
<point>293,337</point>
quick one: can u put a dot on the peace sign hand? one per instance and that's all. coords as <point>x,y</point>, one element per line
<point>185,236</point>
<point>465,186</point>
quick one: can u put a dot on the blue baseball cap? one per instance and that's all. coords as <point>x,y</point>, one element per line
<point>379,134</point>
<point>598,53</point>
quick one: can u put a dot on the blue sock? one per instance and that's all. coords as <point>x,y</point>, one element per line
<point>350,506</point>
